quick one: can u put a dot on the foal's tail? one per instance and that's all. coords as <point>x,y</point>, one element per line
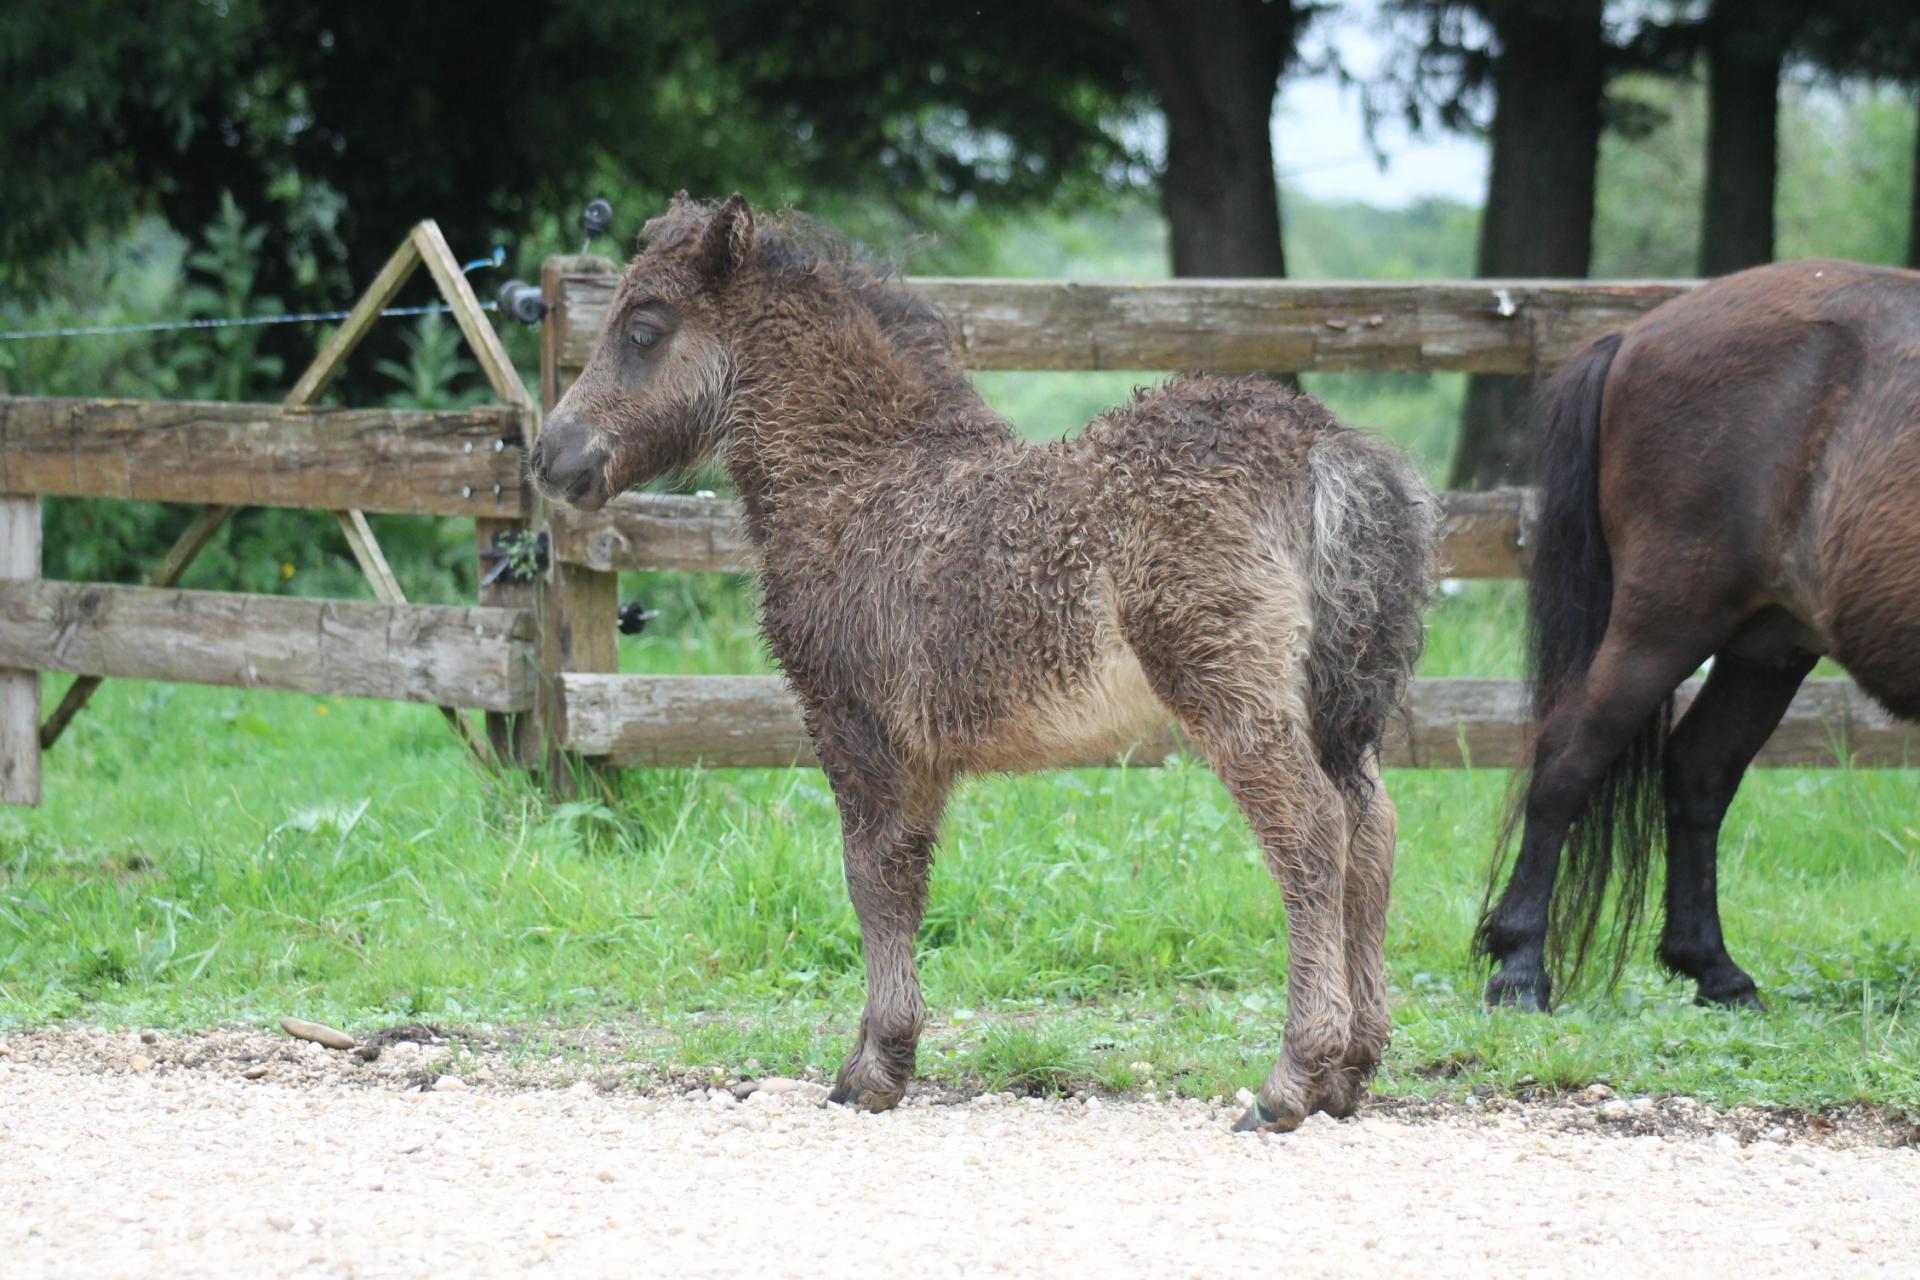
<point>1569,599</point>
<point>1374,541</point>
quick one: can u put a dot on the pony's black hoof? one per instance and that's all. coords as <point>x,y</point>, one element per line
<point>1259,1119</point>
<point>1739,998</point>
<point>1527,992</point>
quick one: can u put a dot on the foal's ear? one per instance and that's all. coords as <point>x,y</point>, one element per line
<point>724,245</point>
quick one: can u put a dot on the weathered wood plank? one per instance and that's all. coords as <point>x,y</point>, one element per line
<point>442,462</point>
<point>1477,326</point>
<point>19,686</point>
<point>1483,535</point>
<point>753,722</point>
<point>446,655</point>
<point>1486,534</point>
<point>653,531</point>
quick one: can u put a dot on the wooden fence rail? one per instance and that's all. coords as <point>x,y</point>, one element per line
<point>449,655</point>
<point>1483,535</point>
<point>754,722</point>
<point>464,462</point>
<point>1233,326</point>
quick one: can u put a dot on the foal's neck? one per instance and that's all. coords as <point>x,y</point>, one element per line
<point>833,403</point>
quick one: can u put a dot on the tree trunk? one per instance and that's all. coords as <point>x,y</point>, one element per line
<point>1913,214</point>
<point>1215,65</point>
<point>1744,51</point>
<point>1538,219</point>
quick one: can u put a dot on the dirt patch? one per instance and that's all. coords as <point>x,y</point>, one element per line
<point>417,1056</point>
<point>239,1153</point>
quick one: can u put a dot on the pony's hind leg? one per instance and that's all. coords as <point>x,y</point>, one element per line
<point>1708,754</point>
<point>889,818</point>
<point>1634,671</point>
<point>1368,886</point>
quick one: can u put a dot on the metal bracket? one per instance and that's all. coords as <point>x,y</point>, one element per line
<point>634,617</point>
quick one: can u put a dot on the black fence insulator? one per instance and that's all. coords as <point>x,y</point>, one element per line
<point>597,218</point>
<point>634,617</point>
<point>522,302</point>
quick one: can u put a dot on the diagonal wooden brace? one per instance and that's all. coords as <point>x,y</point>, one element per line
<point>312,383</point>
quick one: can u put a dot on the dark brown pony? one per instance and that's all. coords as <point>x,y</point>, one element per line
<point>946,599</point>
<point>1736,476</point>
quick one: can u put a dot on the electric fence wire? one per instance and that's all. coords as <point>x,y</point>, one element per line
<point>498,256</point>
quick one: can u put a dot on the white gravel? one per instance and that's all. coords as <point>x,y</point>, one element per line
<point>122,1157</point>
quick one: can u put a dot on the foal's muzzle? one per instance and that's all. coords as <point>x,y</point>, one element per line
<point>569,465</point>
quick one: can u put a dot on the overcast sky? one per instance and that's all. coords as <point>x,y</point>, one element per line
<point>1320,144</point>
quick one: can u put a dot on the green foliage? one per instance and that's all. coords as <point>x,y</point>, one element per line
<point>150,274</point>
<point>436,361</point>
<point>1846,165</point>
<point>229,365</point>
<point>1429,239</point>
<point>1846,173</point>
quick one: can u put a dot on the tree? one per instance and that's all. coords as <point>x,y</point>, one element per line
<point>1004,96</point>
<point>1215,67</point>
<point>335,127</point>
<point>1743,46</point>
<point>1873,39</point>
<point>1746,46</point>
<point>1545,64</point>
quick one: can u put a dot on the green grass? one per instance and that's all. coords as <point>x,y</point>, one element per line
<point>208,856</point>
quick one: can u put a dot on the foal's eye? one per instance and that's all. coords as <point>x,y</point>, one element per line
<point>645,336</point>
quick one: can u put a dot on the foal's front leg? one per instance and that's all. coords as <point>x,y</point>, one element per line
<point>888,826</point>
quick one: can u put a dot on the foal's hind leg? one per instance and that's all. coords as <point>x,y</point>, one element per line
<point>1301,821</point>
<point>1251,724</point>
<point>1709,752</point>
<point>1368,886</point>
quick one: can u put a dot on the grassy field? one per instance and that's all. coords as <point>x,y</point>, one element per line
<point>209,856</point>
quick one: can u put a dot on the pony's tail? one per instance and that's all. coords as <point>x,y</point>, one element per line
<point>1569,598</point>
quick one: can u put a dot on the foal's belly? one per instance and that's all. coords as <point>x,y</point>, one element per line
<point>1110,709</point>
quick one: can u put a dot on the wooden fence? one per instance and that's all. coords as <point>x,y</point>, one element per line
<point>1490,326</point>
<point>540,656</point>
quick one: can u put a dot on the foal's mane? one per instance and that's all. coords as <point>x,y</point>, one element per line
<point>790,247</point>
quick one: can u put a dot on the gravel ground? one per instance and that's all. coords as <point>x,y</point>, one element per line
<point>243,1154</point>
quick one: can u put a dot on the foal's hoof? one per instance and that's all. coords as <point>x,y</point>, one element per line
<point>1259,1118</point>
<point>1345,1088</point>
<point>1510,989</point>
<point>848,1095</point>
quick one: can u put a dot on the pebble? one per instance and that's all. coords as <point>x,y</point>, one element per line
<point>318,1033</point>
<point>449,1084</point>
<point>255,1072</point>
<point>141,1063</point>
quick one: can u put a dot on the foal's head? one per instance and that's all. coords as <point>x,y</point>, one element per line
<point>658,391</point>
<point>722,326</point>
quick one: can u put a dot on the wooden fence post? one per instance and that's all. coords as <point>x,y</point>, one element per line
<point>19,690</point>
<point>578,606</point>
